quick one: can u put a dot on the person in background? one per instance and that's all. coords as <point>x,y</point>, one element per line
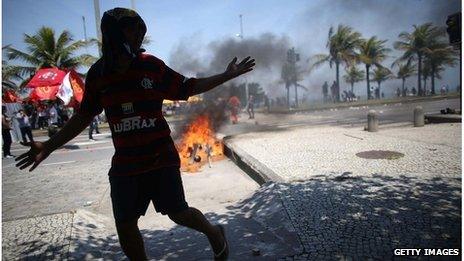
<point>42,113</point>
<point>63,114</point>
<point>6,127</point>
<point>325,92</point>
<point>93,126</point>
<point>405,92</point>
<point>24,126</point>
<point>251,107</point>
<point>34,117</point>
<point>333,91</point>
<point>53,115</point>
<point>234,106</point>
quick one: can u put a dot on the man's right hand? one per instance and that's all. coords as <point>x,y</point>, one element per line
<point>34,156</point>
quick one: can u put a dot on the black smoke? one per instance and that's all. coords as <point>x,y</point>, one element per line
<point>269,51</point>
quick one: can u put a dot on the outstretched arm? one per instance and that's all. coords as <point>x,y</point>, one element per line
<point>40,150</point>
<point>233,70</point>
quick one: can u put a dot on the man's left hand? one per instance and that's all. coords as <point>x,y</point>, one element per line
<point>233,69</point>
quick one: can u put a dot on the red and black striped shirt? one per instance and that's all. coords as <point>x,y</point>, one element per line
<point>132,102</point>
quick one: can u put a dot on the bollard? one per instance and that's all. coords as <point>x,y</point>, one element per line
<point>372,121</point>
<point>418,117</point>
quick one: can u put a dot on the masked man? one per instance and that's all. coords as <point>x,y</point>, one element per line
<point>130,86</point>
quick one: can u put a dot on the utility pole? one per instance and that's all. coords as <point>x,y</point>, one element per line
<point>96,5</point>
<point>246,81</point>
<point>133,4</point>
<point>85,31</point>
<point>241,27</point>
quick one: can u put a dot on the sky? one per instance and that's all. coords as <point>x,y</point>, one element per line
<point>201,36</point>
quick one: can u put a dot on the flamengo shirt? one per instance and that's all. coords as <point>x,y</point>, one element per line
<point>132,102</point>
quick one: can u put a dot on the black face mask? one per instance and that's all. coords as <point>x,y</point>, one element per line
<point>113,39</point>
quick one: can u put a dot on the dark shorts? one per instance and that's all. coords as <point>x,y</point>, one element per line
<point>131,195</point>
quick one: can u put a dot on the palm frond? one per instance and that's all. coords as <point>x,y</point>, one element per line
<point>317,60</point>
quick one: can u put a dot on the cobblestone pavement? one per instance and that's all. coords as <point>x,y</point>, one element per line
<point>299,153</point>
<point>37,238</point>
<point>253,217</point>
<point>368,217</point>
<point>348,208</point>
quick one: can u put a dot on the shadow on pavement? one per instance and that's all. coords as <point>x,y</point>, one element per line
<point>334,218</point>
<point>368,217</point>
<point>256,223</point>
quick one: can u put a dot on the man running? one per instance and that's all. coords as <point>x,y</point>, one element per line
<point>130,86</point>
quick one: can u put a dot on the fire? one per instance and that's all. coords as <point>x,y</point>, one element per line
<point>199,146</point>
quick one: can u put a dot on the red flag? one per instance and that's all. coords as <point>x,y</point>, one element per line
<point>9,96</point>
<point>77,85</point>
<point>44,93</point>
<point>47,77</point>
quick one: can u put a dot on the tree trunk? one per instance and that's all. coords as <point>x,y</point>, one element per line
<point>433,80</point>
<point>288,94</point>
<point>402,87</point>
<point>352,87</point>
<point>380,93</point>
<point>368,85</point>
<point>425,85</point>
<point>337,92</point>
<point>296,95</point>
<point>419,74</point>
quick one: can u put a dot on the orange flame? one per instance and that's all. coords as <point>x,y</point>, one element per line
<point>199,146</point>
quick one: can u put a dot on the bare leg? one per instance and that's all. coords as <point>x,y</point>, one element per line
<point>194,219</point>
<point>131,240</point>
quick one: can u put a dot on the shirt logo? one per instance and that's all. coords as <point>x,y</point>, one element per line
<point>147,83</point>
<point>127,108</point>
<point>133,123</point>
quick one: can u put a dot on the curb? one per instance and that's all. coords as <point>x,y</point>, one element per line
<point>251,166</point>
<point>366,103</point>
<point>443,118</point>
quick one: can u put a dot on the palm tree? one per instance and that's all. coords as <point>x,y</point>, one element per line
<point>44,51</point>
<point>405,70</point>
<point>289,77</point>
<point>10,73</point>
<point>353,75</point>
<point>381,74</point>
<point>342,45</point>
<point>415,44</point>
<point>372,52</point>
<point>437,57</point>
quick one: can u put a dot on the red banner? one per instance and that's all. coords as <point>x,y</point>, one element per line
<point>44,93</point>
<point>9,96</point>
<point>47,77</point>
<point>77,85</point>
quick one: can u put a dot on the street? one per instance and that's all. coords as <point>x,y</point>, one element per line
<point>81,150</point>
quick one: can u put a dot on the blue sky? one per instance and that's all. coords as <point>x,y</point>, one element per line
<point>167,21</point>
<point>192,27</point>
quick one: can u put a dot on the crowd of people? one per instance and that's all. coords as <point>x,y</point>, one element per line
<point>18,122</point>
